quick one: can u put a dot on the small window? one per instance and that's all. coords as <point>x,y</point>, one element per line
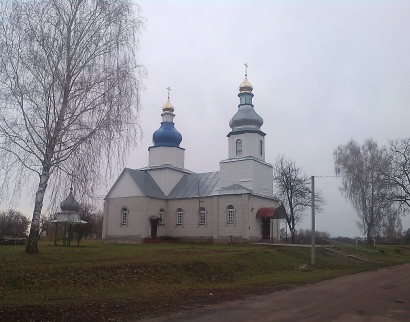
<point>161,216</point>
<point>202,216</point>
<point>238,147</point>
<point>179,216</point>
<point>261,147</point>
<point>124,216</point>
<point>231,214</point>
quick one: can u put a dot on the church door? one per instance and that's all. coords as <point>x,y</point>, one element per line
<point>154,228</point>
<point>266,227</point>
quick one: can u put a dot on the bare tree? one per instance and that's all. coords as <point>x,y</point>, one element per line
<point>292,186</point>
<point>362,171</point>
<point>69,94</point>
<point>398,173</point>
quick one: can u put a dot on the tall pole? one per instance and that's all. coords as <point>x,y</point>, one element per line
<point>313,221</point>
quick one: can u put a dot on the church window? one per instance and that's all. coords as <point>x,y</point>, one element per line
<point>238,147</point>
<point>161,216</point>
<point>261,147</point>
<point>124,216</point>
<point>231,214</point>
<point>202,216</point>
<point>180,214</point>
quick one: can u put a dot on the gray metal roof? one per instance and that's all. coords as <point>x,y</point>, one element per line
<point>234,189</point>
<point>146,183</point>
<point>187,187</point>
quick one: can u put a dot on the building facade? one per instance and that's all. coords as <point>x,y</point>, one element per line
<point>166,200</point>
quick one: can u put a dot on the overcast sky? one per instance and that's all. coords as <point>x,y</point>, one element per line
<point>323,72</point>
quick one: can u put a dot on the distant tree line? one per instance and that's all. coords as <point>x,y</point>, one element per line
<point>13,223</point>
<point>376,180</point>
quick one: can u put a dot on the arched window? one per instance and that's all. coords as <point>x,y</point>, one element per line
<point>261,147</point>
<point>238,147</point>
<point>124,216</point>
<point>231,214</point>
<point>161,216</point>
<point>180,218</point>
<point>202,216</point>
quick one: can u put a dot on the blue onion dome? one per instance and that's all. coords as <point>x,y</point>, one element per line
<point>246,118</point>
<point>69,203</point>
<point>167,135</point>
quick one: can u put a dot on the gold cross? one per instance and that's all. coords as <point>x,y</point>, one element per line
<point>168,88</point>
<point>246,69</point>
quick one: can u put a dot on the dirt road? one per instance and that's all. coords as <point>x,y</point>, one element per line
<point>377,296</point>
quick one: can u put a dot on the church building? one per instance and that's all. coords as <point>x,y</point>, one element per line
<point>166,200</point>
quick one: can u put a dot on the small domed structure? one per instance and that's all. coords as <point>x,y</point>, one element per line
<point>69,203</point>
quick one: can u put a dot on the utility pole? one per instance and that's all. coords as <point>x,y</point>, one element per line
<point>313,221</point>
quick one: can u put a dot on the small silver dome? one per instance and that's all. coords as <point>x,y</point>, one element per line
<point>70,204</point>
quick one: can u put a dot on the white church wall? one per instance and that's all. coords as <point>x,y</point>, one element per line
<point>262,178</point>
<point>125,187</point>
<point>226,229</point>
<point>160,155</point>
<point>152,207</point>
<point>166,178</point>
<point>250,145</point>
<point>190,225</point>
<point>236,172</point>
<point>113,227</point>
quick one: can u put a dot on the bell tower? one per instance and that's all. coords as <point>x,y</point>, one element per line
<point>246,164</point>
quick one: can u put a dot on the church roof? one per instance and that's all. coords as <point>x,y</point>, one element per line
<point>187,187</point>
<point>146,183</point>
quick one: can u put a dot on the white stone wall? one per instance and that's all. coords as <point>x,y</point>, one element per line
<point>190,226</point>
<point>166,179</point>
<point>236,171</point>
<point>250,145</point>
<point>140,209</point>
<point>246,225</point>
<point>224,228</point>
<point>250,173</point>
<point>112,226</point>
<point>125,187</point>
<point>262,179</point>
<point>160,155</point>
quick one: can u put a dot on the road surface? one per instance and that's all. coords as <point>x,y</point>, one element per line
<point>377,296</point>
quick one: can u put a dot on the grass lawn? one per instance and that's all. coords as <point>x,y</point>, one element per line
<point>96,282</point>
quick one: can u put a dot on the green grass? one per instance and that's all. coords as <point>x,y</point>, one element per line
<point>96,273</point>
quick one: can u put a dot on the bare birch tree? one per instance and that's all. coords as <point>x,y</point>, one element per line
<point>69,94</point>
<point>364,184</point>
<point>398,173</point>
<point>292,187</point>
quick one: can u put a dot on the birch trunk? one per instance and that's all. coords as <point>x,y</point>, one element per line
<point>31,246</point>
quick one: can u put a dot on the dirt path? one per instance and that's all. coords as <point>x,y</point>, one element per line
<point>377,296</point>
